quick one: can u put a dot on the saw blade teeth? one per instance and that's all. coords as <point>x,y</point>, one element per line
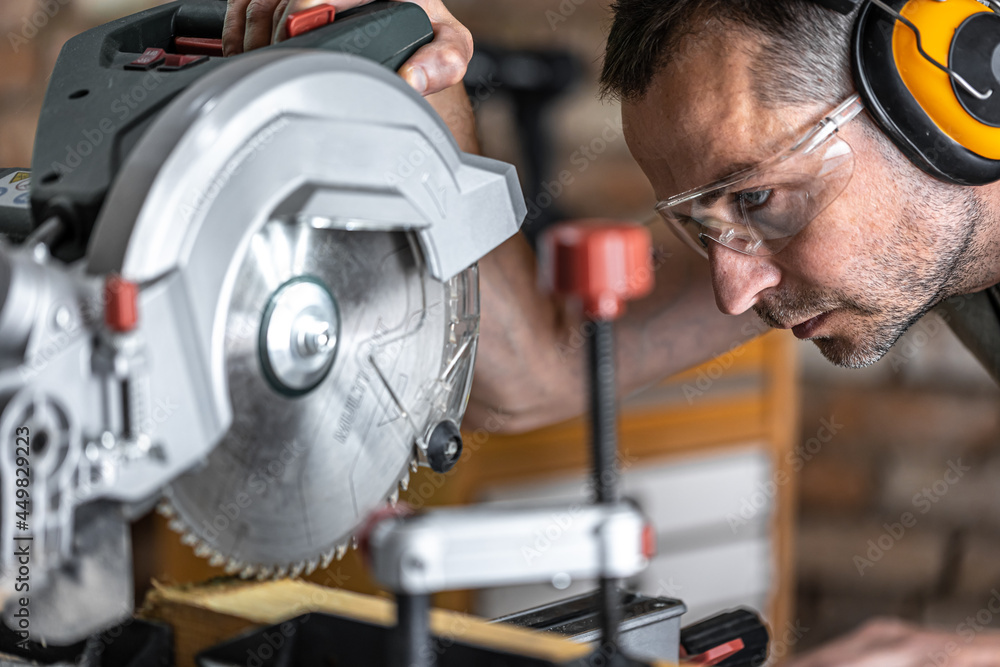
<point>413,465</point>
<point>202,550</point>
<point>189,539</point>
<point>165,509</point>
<point>311,567</point>
<point>327,558</point>
<point>341,551</point>
<point>354,543</point>
<point>281,572</point>
<point>217,559</point>
<point>394,497</point>
<point>177,526</point>
<point>233,566</point>
<point>247,572</point>
<point>263,573</point>
<point>404,483</point>
<point>296,570</point>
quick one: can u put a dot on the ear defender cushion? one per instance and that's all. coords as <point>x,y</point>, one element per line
<point>951,136</point>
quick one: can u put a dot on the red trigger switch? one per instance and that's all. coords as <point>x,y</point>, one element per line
<point>302,22</point>
<point>148,60</point>
<point>176,62</point>
<point>198,46</point>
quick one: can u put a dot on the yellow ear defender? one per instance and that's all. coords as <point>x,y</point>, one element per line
<point>929,74</point>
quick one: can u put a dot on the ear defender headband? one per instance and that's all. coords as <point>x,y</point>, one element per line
<point>929,74</point>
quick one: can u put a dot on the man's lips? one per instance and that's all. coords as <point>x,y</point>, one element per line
<point>807,329</point>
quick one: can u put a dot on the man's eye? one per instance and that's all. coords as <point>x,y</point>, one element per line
<point>753,198</point>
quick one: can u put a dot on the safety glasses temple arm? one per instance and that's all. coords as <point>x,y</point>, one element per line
<point>830,125</point>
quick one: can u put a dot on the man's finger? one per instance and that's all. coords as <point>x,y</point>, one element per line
<point>260,14</point>
<point>278,21</point>
<point>234,27</point>
<point>442,63</point>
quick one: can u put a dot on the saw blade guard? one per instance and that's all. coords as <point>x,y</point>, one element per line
<point>333,142</point>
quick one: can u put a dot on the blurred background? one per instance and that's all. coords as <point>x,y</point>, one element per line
<point>775,479</point>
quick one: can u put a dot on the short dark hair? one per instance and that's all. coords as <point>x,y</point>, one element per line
<point>803,57</point>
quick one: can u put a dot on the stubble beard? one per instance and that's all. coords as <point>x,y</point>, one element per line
<point>895,286</point>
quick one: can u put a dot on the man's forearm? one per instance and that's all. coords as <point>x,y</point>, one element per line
<point>532,351</point>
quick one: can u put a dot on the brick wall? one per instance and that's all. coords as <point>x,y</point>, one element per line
<point>610,184</point>
<point>900,512</point>
<point>31,34</point>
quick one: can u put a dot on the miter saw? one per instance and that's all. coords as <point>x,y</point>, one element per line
<point>244,289</point>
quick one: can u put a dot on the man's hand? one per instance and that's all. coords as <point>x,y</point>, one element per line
<point>251,24</point>
<point>892,643</point>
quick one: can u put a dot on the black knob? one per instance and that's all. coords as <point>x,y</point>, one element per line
<point>737,624</point>
<point>444,447</point>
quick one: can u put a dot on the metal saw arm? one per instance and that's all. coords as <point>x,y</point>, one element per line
<point>276,315</point>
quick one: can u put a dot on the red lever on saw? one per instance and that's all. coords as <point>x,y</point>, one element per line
<point>303,21</point>
<point>198,46</point>
<point>600,262</point>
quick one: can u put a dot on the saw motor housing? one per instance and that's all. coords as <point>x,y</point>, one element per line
<point>261,277</point>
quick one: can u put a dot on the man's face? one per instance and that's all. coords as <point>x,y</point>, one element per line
<point>859,274</point>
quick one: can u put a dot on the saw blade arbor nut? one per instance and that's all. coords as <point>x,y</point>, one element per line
<point>298,336</point>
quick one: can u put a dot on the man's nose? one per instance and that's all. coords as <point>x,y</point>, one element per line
<point>739,279</point>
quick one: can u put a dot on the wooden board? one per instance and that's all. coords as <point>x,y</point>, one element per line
<point>205,615</point>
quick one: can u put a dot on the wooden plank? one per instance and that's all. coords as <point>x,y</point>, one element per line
<point>206,615</point>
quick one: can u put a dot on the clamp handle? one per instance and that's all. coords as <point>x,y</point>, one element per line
<point>602,263</point>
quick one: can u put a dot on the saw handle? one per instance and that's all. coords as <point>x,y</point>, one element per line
<point>200,19</point>
<point>82,139</point>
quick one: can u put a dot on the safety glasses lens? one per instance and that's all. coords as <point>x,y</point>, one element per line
<point>761,212</point>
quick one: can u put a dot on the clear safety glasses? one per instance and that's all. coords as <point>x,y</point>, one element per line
<point>757,211</point>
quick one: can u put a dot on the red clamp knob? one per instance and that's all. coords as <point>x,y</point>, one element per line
<point>602,263</point>
<point>648,541</point>
<point>121,297</point>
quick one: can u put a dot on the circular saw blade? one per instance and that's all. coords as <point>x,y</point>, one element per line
<point>296,475</point>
